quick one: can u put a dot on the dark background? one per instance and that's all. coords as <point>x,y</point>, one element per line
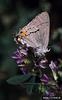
<point>14,14</point>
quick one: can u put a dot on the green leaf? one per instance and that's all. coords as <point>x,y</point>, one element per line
<point>30,85</point>
<point>29,88</point>
<point>17,80</point>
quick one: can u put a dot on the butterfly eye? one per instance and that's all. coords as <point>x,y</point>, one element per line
<point>21,32</point>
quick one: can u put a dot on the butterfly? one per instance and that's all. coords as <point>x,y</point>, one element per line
<point>36,33</point>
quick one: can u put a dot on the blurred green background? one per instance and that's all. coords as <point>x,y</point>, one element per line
<point>14,14</point>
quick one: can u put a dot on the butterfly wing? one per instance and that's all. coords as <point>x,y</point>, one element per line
<point>38,31</point>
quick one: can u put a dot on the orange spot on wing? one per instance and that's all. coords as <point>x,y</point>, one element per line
<point>23,34</point>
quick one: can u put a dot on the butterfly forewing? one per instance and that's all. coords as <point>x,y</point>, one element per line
<point>39,28</point>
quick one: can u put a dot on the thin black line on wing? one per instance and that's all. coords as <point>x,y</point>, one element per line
<point>37,29</point>
<point>33,32</point>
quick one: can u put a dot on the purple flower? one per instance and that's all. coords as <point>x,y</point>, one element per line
<point>19,56</point>
<point>53,66</point>
<point>45,79</point>
<point>42,63</point>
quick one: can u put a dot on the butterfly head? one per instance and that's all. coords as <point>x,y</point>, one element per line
<point>21,35</point>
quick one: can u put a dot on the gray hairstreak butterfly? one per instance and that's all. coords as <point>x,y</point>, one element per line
<point>36,33</point>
